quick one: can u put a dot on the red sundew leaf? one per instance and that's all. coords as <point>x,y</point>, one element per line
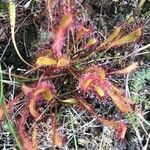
<point>86,82</point>
<point>46,61</point>
<point>25,138</point>
<point>98,71</point>
<point>128,69</point>
<point>64,24</point>
<point>120,127</point>
<point>82,31</point>
<point>60,62</point>
<point>88,107</point>
<point>116,90</point>
<point>85,105</point>
<point>114,35</point>
<point>129,101</point>
<point>50,5</point>
<point>131,37</point>
<point>102,74</point>
<point>57,138</point>
<point>44,89</point>
<point>95,79</point>
<point>120,92</point>
<point>12,15</point>
<point>93,75</point>
<point>34,139</point>
<point>2,111</point>
<point>121,102</point>
<point>32,108</point>
<point>47,95</point>
<point>10,106</point>
<point>55,135</point>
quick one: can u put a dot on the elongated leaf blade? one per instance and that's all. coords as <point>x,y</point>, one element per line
<point>133,36</point>
<point>112,36</point>
<point>45,61</point>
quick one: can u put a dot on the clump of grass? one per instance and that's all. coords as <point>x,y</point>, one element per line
<point>9,122</point>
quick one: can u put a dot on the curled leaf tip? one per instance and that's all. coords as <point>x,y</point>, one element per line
<point>43,89</point>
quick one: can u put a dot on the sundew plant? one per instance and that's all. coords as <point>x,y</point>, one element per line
<point>66,57</point>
